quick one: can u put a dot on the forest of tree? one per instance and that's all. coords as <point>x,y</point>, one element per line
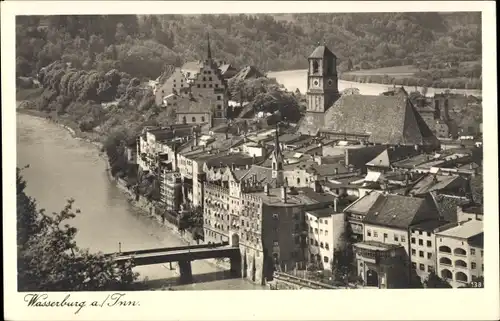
<point>142,45</point>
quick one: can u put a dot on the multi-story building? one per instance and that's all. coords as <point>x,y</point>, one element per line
<point>460,252</point>
<point>357,211</point>
<point>386,227</point>
<point>325,228</point>
<point>423,247</point>
<point>171,189</point>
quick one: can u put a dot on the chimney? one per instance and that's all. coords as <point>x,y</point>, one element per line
<point>470,166</point>
<point>283,194</point>
<point>336,170</point>
<point>221,164</point>
<point>227,135</point>
<point>407,178</point>
<point>266,189</point>
<point>317,187</point>
<point>253,159</point>
<point>247,166</point>
<point>233,166</point>
<point>335,204</point>
<point>416,148</point>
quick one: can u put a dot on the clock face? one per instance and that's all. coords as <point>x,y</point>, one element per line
<point>330,82</point>
<point>316,83</point>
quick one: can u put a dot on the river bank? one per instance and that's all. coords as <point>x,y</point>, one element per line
<point>144,207</point>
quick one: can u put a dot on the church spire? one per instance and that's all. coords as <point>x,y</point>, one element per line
<point>277,147</point>
<point>209,52</point>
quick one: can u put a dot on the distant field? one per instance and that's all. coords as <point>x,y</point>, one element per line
<point>397,71</point>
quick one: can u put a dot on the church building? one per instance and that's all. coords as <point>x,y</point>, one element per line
<point>386,120</point>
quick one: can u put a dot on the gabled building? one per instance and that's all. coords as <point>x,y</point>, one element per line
<point>383,257</point>
<point>389,120</point>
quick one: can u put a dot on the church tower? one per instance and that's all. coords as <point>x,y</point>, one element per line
<point>277,161</point>
<point>322,81</point>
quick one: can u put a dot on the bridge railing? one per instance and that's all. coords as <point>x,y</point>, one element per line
<point>168,249</point>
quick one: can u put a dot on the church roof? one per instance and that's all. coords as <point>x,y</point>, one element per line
<point>189,105</point>
<point>383,119</point>
<point>321,52</point>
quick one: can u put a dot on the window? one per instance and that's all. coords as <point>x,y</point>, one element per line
<point>275,216</point>
<point>316,243</point>
<point>204,78</point>
<point>421,253</point>
<point>429,255</point>
<point>298,180</point>
<point>311,241</point>
<point>193,119</point>
<point>375,234</point>
<point>325,259</point>
<point>175,85</point>
<point>209,85</point>
<point>315,231</point>
<point>429,244</point>
<point>210,78</point>
<point>414,265</point>
<point>420,242</point>
<point>321,245</point>
<point>198,85</point>
<point>218,97</point>
<point>482,267</point>
<point>310,229</point>
<point>430,268</point>
<point>320,221</point>
<point>412,240</point>
<point>327,246</point>
<point>420,232</point>
<point>385,236</point>
<point>369,233</point>
<point>203,118</point>
<point>472,251</point>
<point>473,265</point>
<point>422,267</point>
<point>428,233</point>
<point>481,253</point>
<point>219,107</point>
<point>216,86</point>
<point>396,238</point>
<point>320,232</point>
<point>326,232</point>
<point>413,252</point>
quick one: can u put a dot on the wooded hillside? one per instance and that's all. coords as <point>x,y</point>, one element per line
<point>142,45</point>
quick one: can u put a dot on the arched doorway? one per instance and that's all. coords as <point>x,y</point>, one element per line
<point>371,278</point>
<point>235,240</point>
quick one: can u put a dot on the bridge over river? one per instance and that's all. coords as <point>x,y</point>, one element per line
<point>184,255</point>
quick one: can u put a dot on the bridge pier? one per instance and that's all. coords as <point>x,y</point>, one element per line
<point>185,271</point>
<point>235,269</point>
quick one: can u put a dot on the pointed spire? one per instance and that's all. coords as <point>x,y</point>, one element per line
<point>209,52</point>
<point>277,147</point>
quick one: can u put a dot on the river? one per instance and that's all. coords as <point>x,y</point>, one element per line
<point>293,79</point>
<point>62,167</point>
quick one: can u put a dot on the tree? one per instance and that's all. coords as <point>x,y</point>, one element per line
<point>49,259</point>
<point>434,281</point>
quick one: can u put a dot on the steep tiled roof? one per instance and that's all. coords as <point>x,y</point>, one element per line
<point>264,175</point>
<point>395,211</point>
<point>321,52</point>
<point>388,120</point>
<point>327,169</point>
<point>429,225</point>
<point>187,105</point>
<point>433,182</point>
<point>364,204</point>
<point>248,72</point>
<point>392,155</point>
<point>476,185</point>
<point>447,206</point>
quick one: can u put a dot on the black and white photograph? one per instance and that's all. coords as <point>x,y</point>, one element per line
<point>167,153</point>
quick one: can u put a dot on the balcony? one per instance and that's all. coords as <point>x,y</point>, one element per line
<point>375,252</point>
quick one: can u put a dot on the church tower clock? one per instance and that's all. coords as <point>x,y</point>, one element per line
<point>322,81</point>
